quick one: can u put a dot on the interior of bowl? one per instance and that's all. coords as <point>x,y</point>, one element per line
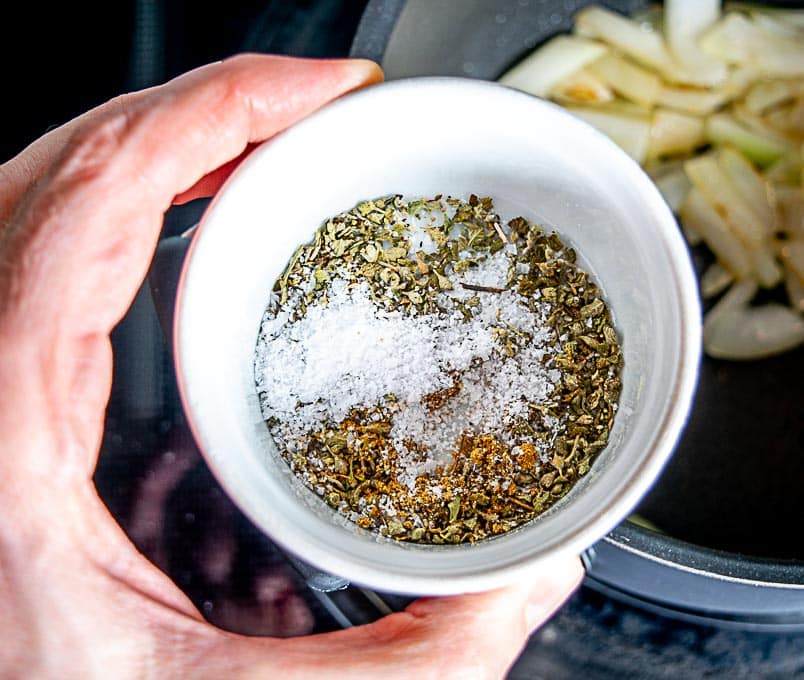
<point>423,137</point>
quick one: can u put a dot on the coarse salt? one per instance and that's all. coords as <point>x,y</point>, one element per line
<point>348,353</point>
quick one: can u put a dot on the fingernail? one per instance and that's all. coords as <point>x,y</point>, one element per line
<point>551,592</point>
<point>365,71</point>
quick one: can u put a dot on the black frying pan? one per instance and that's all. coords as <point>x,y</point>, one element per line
<point>731,500</point>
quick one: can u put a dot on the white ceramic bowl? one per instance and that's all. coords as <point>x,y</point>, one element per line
<point>421,137</point>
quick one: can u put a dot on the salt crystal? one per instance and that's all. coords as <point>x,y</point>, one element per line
<point>349,354</point>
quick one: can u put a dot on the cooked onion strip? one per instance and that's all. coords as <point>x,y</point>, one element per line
<point>723,129</point>
<point>735,330</point>
<point>628,80</point>
<point>582,87</point>
<point>672,132</point>
<point>713,106</point>
<point>699,214</point>
<point>738,39</point>
<point>715,280</point>
<point>630,131</point>
<point>674,186</point>
<point>559,58</point>
<point>684,22</point>
<point>705,174</point>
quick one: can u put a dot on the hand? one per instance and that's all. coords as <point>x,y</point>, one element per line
<point>80,213</point>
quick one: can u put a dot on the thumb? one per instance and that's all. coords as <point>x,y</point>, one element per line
<point>467,636</point>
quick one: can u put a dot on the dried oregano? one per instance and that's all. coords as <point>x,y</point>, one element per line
<point>496,389</point>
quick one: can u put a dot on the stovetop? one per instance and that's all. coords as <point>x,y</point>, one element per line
<point>157,485</point>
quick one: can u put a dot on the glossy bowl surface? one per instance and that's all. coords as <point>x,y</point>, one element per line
<point>421,137</point>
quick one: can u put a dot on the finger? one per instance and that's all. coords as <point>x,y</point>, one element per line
<point>83,236</point>
<point>19,173</point>
<point>209,184</point>
<point>468,636</point>
<point>102,201</point>
<point>22,171</point>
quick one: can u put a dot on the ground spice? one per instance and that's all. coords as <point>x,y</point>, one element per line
<point>434,374</point>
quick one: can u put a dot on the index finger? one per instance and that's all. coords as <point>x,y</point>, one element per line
<point>87,230</point>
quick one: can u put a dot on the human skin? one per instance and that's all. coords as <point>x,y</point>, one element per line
<point>80,214</point>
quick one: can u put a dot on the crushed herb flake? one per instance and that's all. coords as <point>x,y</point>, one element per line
<point>437,375</point>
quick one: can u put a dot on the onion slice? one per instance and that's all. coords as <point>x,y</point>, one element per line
<point>629,80</point>
<point>582,87</point>
<point>715,280</point>
<point>739,40</point>
<point>712,106</point>
<point>698,214</point>
<point>750,185</point>
<point>684,22</point>
<point>673,133</point>
<point>795,291</point>
<point>646,47</point>
<point>560,58</point>
<point>629,131</point>
<point>674,186</point>
<point>735,330</point>
<point>722,128</point>
<point>707,176</point>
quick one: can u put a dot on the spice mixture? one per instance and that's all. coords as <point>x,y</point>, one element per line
<point>434,374</point>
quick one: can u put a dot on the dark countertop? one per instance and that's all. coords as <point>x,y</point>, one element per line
<point>150,473</point>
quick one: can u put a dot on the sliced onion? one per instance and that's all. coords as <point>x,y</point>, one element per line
<point>766,270</point>
<point>738,39</point>
<point>790,202</point>
<point>750,184</point>
<point>672,132</point>
<point>684,22</point>
<point>651,18</point>
<point>760,125</point>
<point>629,80</point>
<point>692,100</point>
<point>697,213</point>
<point>715,280</point>
<point>582,87</point>
<point>787,170</point>
<point>562,56</point>
<point>768,93</point>
<point>628,131</point>
<point>705,174</point>
<point>792,253</point>
<point>735,330</point>
<point>795,291</point>
<point>674,186</point>
<point>667,82</point>
<point>787,119</point>
<point>722,128</point>
<point>772,24</point>
<point>646,47</point>
<point>790,18</point>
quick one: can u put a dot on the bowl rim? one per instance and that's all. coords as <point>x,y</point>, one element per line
<point>641,476</point>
